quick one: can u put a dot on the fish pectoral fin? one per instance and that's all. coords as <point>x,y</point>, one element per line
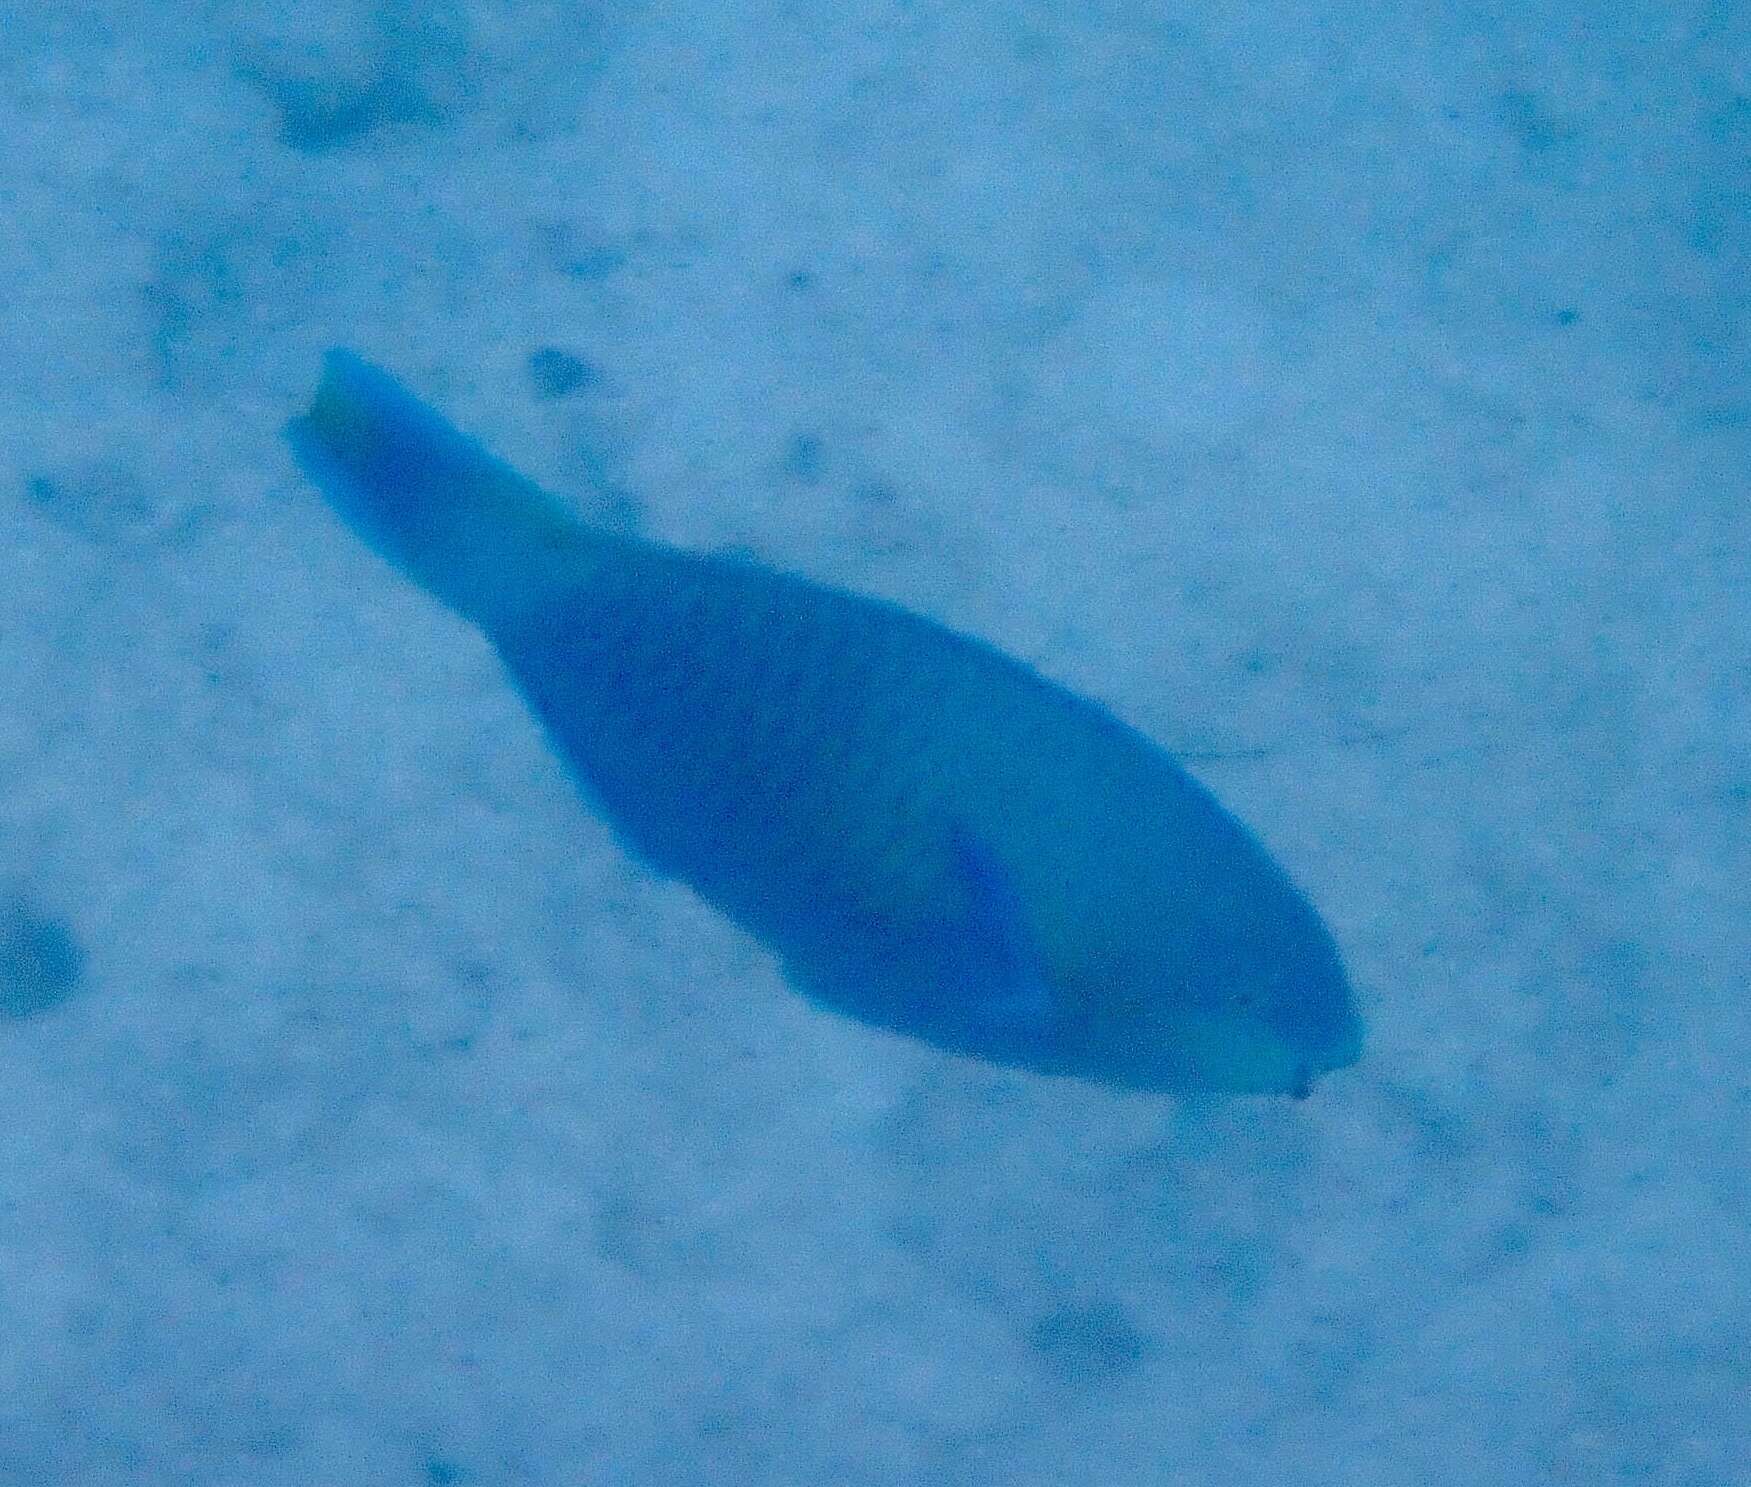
<point>1002,988</point>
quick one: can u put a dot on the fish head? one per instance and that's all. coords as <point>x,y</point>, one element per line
<point>1268,1016</point>
<point>1254,1000</point>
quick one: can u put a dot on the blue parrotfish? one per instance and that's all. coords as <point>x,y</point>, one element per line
<point>931,836</point>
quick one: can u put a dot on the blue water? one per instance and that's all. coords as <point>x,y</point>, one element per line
<point>1357,400</point>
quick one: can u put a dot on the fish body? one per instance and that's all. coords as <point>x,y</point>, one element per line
<point>933,837</point>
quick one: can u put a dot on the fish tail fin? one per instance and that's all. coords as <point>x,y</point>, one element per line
<point>432,501</point>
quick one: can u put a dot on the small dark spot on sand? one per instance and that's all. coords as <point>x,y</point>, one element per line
<point>401,66</point>
<point>875,493</point>
<point>802,458</point>
<point>576,254</point>
<point>1536,128</point>
<point>1088,1344</point>
<point>102,501</point>
<point>595,263</point>
<point>41,964</point>
<point>558,374</point>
